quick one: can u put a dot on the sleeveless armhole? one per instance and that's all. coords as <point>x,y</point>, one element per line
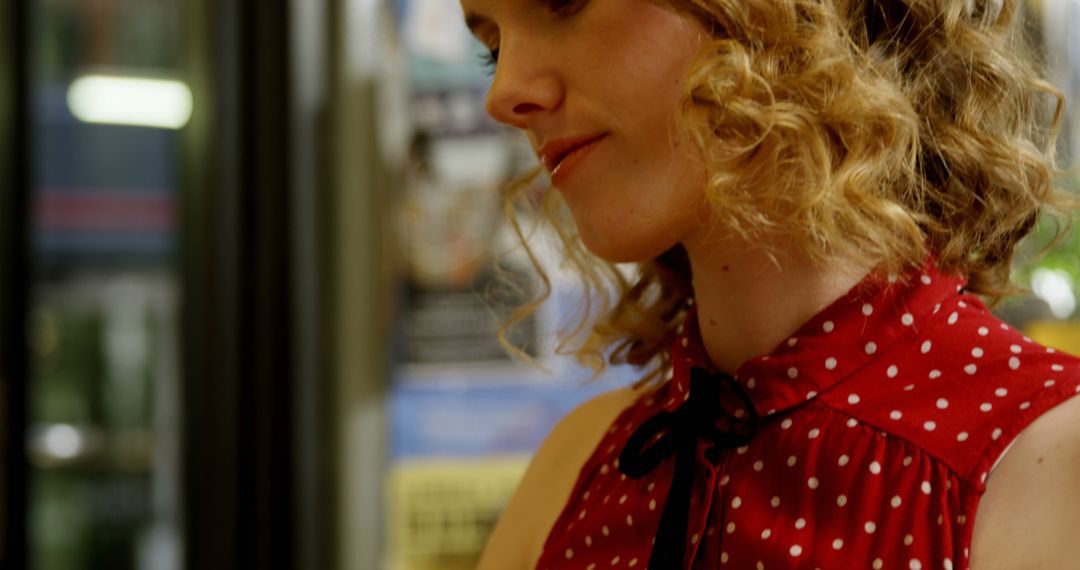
<point>1044,399</point>
<point>629,401</point>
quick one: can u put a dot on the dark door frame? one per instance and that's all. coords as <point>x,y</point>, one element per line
<point>254,435</point>
<point>14,271</point>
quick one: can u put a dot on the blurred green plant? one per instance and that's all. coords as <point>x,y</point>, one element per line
<point>1054,244</point>
<point>1046,268</point>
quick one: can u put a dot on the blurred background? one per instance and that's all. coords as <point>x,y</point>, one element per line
<point>245,248</point>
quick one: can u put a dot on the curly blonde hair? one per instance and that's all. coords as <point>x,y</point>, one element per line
<point>877,130</point>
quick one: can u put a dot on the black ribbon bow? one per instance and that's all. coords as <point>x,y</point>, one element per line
<point>702,416</point>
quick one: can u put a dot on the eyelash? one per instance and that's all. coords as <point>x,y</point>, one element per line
<point>489,60</point>
<point>560,7</point>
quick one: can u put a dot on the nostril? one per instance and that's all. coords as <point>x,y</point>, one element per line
<point>525,108</point>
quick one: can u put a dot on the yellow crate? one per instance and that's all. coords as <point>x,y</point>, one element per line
<point>441,511</point>
<point>1061,335</point>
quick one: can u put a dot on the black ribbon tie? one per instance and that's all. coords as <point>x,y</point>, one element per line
<point>702,416</point>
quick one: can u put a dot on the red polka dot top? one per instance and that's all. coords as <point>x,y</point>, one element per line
<point>863,441</point>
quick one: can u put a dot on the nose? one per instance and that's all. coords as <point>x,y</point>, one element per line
<point>526,85</point>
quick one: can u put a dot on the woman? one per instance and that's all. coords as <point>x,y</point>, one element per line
<point>813,193</point>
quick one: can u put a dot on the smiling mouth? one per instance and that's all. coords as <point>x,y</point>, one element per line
<point>558,156</point>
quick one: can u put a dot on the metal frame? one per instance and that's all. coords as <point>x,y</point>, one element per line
<point>14,275</point>
<point>310,92</point>
<point>362,280</point>
<point>253,423</point>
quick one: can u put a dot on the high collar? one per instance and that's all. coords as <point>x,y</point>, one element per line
<point>829,347</point>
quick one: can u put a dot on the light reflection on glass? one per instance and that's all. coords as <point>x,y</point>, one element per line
<point>62,441</point>
<point>136,101</point>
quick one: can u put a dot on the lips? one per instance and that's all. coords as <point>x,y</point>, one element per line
<point>555,153</point>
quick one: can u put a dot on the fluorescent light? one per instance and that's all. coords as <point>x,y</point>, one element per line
<point>130,101</point>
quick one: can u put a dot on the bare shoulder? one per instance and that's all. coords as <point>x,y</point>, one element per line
<point>1029,517</point>
<point>516,541</point>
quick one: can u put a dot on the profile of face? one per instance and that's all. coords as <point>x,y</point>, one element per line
<point>596,85</point>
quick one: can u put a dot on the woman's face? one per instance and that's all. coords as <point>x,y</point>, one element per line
<point>596,85</point>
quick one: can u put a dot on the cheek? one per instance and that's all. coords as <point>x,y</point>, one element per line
<point>646,69</point>
<point>650,195</point>
<point>658,146</point>
<point>638,218</point>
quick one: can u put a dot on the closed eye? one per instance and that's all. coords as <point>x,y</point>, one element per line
<point>486,32</point>
<point>565,7</point>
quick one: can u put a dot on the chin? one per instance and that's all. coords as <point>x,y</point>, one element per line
<point>616,247</point>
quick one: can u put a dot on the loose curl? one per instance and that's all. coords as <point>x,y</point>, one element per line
<point>869,130</point>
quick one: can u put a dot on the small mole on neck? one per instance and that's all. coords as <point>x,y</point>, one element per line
<point>726,269</point>
<point>712,322</point>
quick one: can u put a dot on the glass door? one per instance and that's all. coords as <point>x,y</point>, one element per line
<point>162,364</point>
<point>105,103</point>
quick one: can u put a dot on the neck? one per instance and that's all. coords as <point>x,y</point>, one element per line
<point>749,301</point>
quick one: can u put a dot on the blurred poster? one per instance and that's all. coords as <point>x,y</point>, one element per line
<point>464,418</point>
<point>459,283</point>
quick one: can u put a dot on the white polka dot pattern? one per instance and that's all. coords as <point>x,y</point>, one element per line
<point>891,406</point>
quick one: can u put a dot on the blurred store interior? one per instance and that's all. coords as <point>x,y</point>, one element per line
<point>244,254</point>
